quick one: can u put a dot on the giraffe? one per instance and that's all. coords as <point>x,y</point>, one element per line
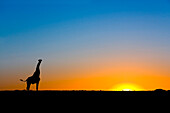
<point>35,78</point>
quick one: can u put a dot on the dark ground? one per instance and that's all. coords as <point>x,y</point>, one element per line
<point>84,93</point>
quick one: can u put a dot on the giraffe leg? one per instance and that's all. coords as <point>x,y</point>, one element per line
<point>28,86</point>
<point>37,84</point>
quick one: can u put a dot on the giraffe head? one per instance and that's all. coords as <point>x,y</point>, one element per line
<point>40,60</point>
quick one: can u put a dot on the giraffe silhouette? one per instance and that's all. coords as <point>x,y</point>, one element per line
<point>35,78</point>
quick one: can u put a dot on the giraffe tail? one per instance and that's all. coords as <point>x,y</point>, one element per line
<point>22,80</point>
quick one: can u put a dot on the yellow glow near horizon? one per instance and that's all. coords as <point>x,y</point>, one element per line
<point>127,87</point>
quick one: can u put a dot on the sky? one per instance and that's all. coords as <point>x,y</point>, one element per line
<point>85,44</point>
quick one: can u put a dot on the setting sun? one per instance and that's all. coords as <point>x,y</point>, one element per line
<point>127,87</point>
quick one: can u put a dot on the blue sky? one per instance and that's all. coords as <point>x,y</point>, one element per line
<point>67,31</point>
<point>56,22</point>
<point>21,16</point>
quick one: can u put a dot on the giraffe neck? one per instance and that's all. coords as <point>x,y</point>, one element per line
<point>38,66</point>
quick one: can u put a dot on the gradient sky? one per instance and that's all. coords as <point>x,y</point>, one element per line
<point>85,44</point>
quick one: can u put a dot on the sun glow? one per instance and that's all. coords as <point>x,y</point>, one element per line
<point>127,87</point>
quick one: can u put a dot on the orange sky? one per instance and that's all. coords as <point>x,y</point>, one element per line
<point>102,73</point>
<point>99,83</point>
<point>107,83</point>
